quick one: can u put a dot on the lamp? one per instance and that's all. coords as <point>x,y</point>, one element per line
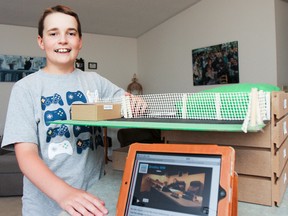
<point>135,88</point>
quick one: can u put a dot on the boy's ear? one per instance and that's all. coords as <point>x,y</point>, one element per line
<point>80,46</point>
<point>40,42</point>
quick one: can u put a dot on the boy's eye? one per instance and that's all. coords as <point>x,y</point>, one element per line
<point>52,34</point>
<point>72,33</point>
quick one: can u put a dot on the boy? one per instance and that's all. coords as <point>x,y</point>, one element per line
<point>59,162</point>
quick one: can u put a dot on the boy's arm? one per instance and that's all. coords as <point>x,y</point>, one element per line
<point>72,200</point>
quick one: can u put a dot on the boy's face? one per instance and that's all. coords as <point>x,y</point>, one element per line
<point>61,41</point>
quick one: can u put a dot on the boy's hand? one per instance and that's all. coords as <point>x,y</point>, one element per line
<point>78,202</point>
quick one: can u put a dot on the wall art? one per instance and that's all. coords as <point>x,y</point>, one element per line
<point>15,67</point>
<point>217,64</point>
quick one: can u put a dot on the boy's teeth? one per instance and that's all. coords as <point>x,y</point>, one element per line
<point>62,50</point>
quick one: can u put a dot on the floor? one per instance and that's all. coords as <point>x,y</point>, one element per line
<point>109,184</point>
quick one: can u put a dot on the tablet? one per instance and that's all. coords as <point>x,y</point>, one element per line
<point>178,180</point>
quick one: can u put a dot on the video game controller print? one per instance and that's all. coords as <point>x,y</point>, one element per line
<point>55,149</point>
<point>58,131</point>
<point>47,101</point>
<point>54,115</point>
<point>75,96</point>
<point>84,144</point>
<point>81,129</point>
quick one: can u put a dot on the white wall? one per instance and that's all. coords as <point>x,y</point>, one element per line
<point>281,9</point>
<point>116,56</point>
<point>165,61</point>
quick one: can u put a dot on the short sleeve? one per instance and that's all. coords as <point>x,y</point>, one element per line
<point>20,125</point>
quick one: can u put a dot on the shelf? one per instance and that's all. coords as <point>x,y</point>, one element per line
<point>168,125</point>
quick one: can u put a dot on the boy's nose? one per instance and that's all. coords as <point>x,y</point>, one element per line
<point>63,38</point>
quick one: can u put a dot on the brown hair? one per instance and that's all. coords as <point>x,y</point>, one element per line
<point>60,9</point>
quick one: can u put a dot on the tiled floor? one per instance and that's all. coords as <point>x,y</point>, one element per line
<point>10,206</point>
<point>108,189</point>
<point>247,209</point>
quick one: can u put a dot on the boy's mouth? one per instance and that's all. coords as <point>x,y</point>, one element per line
<point>62,50</point>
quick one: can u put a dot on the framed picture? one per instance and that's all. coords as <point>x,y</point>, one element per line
<point>14,67</point>
<point>217,64</point>
<point>92,65</point>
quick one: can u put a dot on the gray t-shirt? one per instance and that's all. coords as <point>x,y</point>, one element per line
<point>73,153</point>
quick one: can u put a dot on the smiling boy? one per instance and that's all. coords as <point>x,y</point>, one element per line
<point>59,162</point>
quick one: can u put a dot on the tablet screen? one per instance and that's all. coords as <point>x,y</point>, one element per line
<point>174,184</point>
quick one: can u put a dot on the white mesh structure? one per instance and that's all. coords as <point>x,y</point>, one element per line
<point>199,106</point>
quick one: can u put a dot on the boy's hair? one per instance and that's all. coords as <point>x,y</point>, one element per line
<point>60,9</point>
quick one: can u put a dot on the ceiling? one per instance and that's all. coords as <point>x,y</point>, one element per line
<point>126,18</point>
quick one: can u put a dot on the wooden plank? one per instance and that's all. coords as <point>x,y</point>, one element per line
<point>280,131</point>
<point>259,139</point>
<point>280,158</point>
<point>253,161</point>
<point>255,190</point>
<point>279,104</point>
<point>280,187</point>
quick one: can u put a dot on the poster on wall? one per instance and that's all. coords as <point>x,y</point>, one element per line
<point>217,64</point>
<point>14,67</point>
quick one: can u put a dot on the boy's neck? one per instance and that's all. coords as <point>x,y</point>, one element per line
<point>58,70</point>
